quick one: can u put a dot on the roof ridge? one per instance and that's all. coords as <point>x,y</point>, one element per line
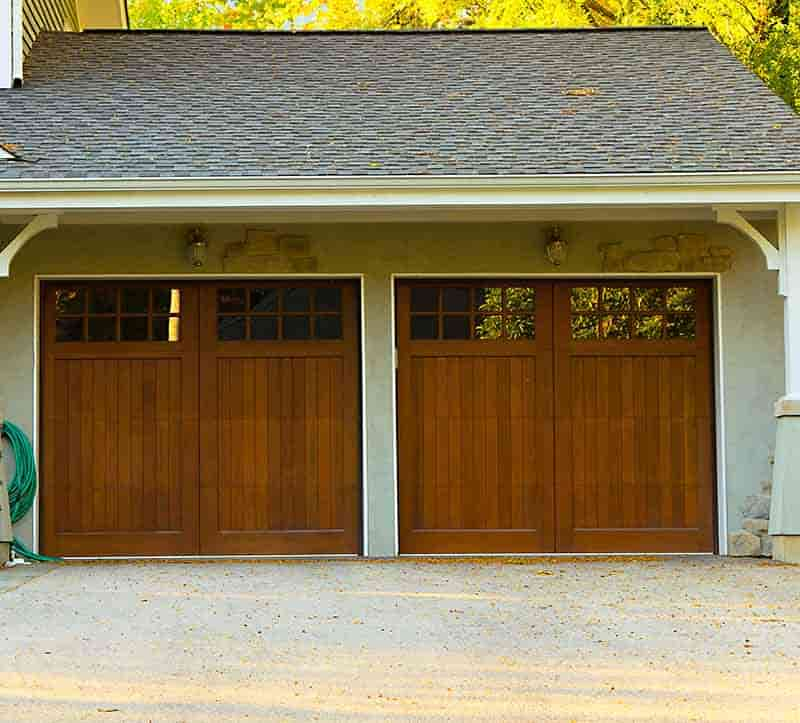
<point>443,31</point>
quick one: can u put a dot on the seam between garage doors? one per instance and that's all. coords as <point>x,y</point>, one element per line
<point>39,278</point>
<point>720,482</point>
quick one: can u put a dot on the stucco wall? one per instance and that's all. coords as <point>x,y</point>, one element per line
<point>752,326</point>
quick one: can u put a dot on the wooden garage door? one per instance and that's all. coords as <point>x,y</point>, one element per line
<point>120,438</point>
<point>279,419</point>
<point>555,416</point>
<point>634,417</point>
<point>475,372</point>
<point>200,418</point>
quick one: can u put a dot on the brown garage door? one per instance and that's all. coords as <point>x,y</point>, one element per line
<point>186,418</point>
<point>555,416</point>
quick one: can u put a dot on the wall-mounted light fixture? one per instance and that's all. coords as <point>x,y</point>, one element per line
<point>556,247</point>
<point>197,248</point>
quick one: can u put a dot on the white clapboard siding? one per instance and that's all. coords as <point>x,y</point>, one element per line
<point>38,15</point>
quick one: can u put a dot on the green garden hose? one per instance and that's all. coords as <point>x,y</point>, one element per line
<point>22,486</point>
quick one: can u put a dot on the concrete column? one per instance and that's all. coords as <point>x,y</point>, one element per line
<point>784,523</point>
<point>380,505</point>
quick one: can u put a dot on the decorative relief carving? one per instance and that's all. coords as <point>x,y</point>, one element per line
<point>665,254</point>
<point>266,251</point>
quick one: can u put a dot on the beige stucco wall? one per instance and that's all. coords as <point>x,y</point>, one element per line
<point>751,311</point>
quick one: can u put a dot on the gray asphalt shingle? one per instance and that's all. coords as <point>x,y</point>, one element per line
<point>172,104</point>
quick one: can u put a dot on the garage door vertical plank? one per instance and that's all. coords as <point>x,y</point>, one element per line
<point>693,452</point>
<point>299,443</point>
<point>615,449</point>
<point>430,443</point>
<point>590,440</point>
<point>125,438</point>
<point>75,439</point>
<point>137,444</point>
<point>628,443</point>
<point>517,424</point>
<point>653,454</point>
<point>149,445</point>
<point>99,445</point>
<point>176,435</point>
<point>112,447</point>
<point>163,452</point>
<point>579,449</point>
<point>340,438</point>
<point>261,443</point>
<point>310,426</point>
<point>442,518</point>
<point>604,478</point>
<point>274,444</point>
<point>481,440</point>
<point>455,432</point>
<point>641,446</point>
<point>492,445</point>
<point>504,462</point>
<point>665,442</point>
<point>249,445</point>
<point>469,492</point>
<point>677,436</point>
<point>225,447</point>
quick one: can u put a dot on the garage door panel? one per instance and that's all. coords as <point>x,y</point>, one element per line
<point>634,421</point>
<point>119,472</point>
<point>476,429</point>
<point>280,423</point>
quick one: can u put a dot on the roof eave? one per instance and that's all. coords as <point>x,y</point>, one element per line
<point>361,191</point>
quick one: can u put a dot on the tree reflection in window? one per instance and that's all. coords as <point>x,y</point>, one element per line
<point>623,312</point>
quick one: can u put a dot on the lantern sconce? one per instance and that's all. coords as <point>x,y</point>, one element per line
<point>197,248</point>
<point>556,247</point>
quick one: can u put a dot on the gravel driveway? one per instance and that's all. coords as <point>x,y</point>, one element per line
<point>669,639</point>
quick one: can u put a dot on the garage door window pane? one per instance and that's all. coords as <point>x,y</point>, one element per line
<point>230,300</point>
<point>681,326</point>
<point>329,327</point>
<point>297,327</point>
<point>615,327</point>
<point>680,298</point>
<point>264,300</point>
<point>520,299</point>
<point>584,327</point>
<point>455,299</point>
<point>583,298</point>
<point>297,300</point>
<point>135,301</point>
<point>649,299</point>
<point>133,328</point>
<point>648,327</point>
<point>167,301</point>
<point>424,298</point>
<point>264,328</point>
<point>328,300</point>
<point>231,328</point>
<point>616,298</point>
<point>424,327</point>
<point>69,329</point>
<point>102,328</point>
<point>489,298</point>
<point>520,327</point>
<point>488,327</point>
<point>456,327</point>
<point>102,301</point>
<point>167,329</point>
<point>70,301</point>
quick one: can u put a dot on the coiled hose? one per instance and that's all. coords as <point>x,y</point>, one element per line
<point>22,486</point>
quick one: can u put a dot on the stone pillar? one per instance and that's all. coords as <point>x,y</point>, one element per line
<point>784,521</point>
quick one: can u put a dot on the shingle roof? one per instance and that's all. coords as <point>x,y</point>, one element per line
<point>178,104</point>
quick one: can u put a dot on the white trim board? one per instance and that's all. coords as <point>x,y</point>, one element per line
<point>640,190</point>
